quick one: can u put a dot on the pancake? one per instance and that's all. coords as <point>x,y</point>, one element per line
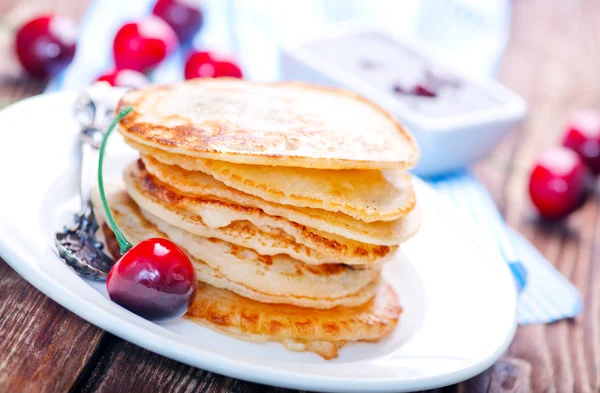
<point>266,241</point>
<point>299,329</point>
<point>331,225</point>
<point>278,279</point>
<point>323,332</point>
<point>198,184</point>
<point>360,194</point>
<point>279,124</point>
<point>195,214</point>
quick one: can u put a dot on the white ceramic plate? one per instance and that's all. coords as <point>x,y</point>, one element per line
<point>459,300</point>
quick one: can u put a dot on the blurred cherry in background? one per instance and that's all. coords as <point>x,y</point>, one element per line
<point>204,64</point>
<point>125,78</point>
<point>46,44</point>
<point>143,44</point>
<point>184,16</point>
<point>583,136</point>
<point>559,183</point>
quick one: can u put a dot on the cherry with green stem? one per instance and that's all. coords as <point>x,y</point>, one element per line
<point>155,278</point>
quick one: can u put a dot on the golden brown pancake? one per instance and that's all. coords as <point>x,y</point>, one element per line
<point>364,195</point>
<point>280,124</point>
<point>199,184</point>
<point>299,329</point>
<point>278,279</point>
<point>195,214</point>
<point>388,233</point>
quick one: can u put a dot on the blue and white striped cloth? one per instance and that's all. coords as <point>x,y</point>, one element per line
<point>546,295</point>
<point>249,28</point>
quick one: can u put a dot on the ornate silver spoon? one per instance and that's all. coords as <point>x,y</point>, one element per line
<point>77,244</point>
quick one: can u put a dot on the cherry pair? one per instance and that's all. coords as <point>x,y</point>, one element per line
<point>200,64</point>
<point>562,177</point>
<point>142,45</point>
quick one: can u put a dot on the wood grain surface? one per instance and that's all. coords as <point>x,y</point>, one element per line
<point>552,60</point>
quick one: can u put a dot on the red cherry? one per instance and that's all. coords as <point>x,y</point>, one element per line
<point>419,90</point>
<point>46,45</point>
<point>202,64</point>
<point>185,18</point>
<point>142,45</point>
<point>125,78</point>
<point>422,90</point>
<point>559,183</point>
<point>155,279</point>
<point>583,136</point>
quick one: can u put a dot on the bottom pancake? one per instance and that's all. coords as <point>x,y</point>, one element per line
<point>299,329</point>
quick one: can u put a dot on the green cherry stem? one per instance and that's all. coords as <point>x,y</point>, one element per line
<point>124,244</point>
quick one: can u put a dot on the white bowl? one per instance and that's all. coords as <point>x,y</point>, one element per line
<point>450,139</point>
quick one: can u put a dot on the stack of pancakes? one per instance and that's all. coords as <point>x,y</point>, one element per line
<point>288,198</point>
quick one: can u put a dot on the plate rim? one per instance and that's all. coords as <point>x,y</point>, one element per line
<point>223,364</point>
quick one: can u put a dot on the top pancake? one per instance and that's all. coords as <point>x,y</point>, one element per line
<point>282,124</point>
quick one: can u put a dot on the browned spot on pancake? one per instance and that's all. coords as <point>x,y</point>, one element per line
<point>305,327</point>
<point>305,198</point>
<point>249,228</point>
<point>217,318</point>
<point>236,250</point>
<point>361,251</point>
<point>266,259</point>
<point>275,327</point>
<point>277,192</point>
<point>249,318</point>
<point>341,248</point>
<point>331,328</point>
<point>329,269</point>
<point>381,251</point>
<point>152,186</point>
<point>328,243</point>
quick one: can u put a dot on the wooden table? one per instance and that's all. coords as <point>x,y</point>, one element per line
<point>553,60</point>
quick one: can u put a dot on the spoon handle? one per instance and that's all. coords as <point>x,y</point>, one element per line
<point>87,177</point>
